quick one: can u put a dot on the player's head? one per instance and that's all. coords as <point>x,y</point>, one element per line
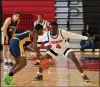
<point>38,29</point>
<point>40,17</point>
<point>16,15</point>
<point>53,27</point>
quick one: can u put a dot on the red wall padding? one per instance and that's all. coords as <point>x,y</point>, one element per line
<point>25,22</point>
<point>30,8</point>
<point>27,3</point>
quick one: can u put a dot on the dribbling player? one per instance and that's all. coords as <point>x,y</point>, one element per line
<point>17,45</point>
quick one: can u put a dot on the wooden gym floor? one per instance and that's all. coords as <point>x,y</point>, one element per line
<point>59,74</point>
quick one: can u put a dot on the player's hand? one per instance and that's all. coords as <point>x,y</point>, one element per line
<point>91,38</point>
<point>6,42</point>
<point>97,36</point>
<point>41,57</point>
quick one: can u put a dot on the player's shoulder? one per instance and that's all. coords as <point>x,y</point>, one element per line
<point>62,30</point>
<point>8,19</point>
<point>45,21</point>
<point>35,22</point>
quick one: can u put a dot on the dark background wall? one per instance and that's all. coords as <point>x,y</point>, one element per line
<point>91,15</point>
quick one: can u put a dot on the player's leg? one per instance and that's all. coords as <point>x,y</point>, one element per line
<point>49,54</point>
<point>5,51</point>
<point>5,57</point>
<point>8,77</point>
<point>20,54</point>
<point>16,50</point>
<point>70,54</point>
<point>17,61</point>
<point>20,64</point>
<point>39,43</point>
<point>10,59</point>
<point>38,60</point>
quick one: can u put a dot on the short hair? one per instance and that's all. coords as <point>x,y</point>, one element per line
<point>38,27</point>
<point>16,12</point>
<point>41,15</point>
<point>54,24</point>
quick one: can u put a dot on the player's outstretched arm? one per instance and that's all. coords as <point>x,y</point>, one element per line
<point>67,34</point>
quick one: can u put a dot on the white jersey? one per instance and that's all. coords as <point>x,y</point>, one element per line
<point>61,38</point>
<point>48,39</point>
<point>45,24</point>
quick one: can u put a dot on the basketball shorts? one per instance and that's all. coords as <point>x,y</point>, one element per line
<point>54,52</point>
<point>16,48</point>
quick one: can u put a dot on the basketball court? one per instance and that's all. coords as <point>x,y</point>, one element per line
<point>75,16</point>
<point>62,73</point>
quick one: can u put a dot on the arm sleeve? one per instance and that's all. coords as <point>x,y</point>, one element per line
<point>67,34</point>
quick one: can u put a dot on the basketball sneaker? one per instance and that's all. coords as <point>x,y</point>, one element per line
<point>10,63</point>
<point>38,78</point>
<point>37,64</point>
<point>85,78</point>
<point>7,80</point>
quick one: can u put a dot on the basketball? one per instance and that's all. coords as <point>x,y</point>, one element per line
<point>44,63</point>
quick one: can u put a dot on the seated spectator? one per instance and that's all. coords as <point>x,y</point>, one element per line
<point>90,30</point>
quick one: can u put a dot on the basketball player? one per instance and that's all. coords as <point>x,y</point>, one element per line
<point>17,45</point>
<point>57,39</point>
<point>46,26</point>
<point>8,32</point>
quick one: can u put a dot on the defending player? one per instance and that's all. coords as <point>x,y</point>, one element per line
<point>17,45</point>
<point>57,39</point>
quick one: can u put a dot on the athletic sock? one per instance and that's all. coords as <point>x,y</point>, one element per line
<point>9,60</point>
<point>82,74</point>
<point>39,73</point>
<point>5,60</point>
<point>38,61</point>
<point>11,74</point>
